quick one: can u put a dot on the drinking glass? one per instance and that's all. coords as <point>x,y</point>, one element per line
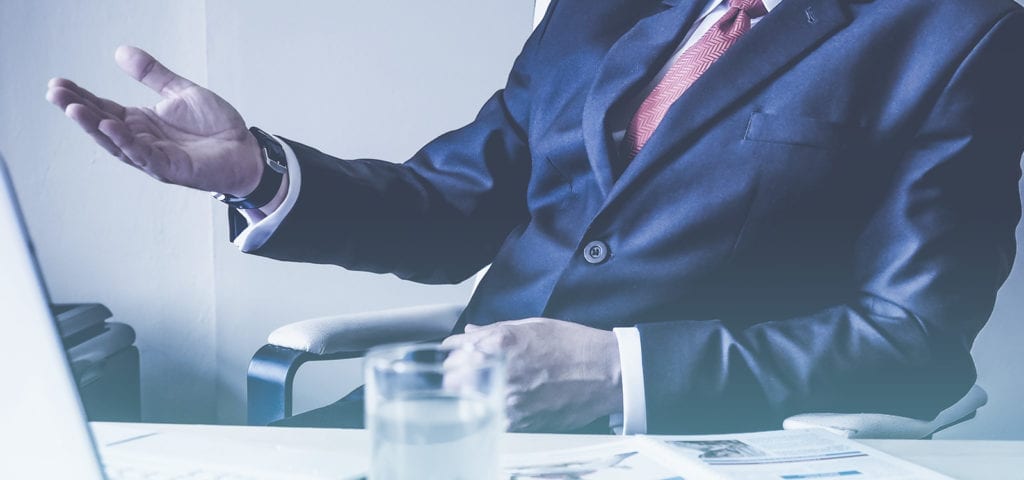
<point>434,412</point>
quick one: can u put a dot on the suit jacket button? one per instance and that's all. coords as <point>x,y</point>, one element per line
<point>595,252</point>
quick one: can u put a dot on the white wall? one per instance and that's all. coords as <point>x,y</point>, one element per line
<point>103,231</point>
<point>997,354</point>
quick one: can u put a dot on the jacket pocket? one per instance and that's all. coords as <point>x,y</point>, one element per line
<point>799,130</point>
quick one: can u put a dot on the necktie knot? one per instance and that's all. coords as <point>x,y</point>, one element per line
<point>688,68</point>
<point>753,8</point>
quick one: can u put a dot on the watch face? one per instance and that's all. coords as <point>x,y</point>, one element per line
<point>275,165</point>
<point>272,151</point>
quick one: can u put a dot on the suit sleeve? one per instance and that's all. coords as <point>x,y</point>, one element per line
<point>929,263</point>
<point>437,218</point>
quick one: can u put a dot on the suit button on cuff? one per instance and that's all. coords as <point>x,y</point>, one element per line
<point>595,252</point>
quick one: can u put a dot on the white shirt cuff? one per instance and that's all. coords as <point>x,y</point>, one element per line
<point>634,403</point>
<point>259,231</point>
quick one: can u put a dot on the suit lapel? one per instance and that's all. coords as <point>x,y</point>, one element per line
<point>788,32</point>
<point>629,64</point>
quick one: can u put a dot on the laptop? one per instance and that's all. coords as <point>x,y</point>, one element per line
<point>44,432</point>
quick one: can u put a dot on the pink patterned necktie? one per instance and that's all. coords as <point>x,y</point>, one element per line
<point>688,68</point>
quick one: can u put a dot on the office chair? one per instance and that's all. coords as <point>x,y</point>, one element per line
<point>273,367</point>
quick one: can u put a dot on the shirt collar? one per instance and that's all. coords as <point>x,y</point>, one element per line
<point>713,4</point>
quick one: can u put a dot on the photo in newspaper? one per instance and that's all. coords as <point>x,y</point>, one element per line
<point>786,455</point>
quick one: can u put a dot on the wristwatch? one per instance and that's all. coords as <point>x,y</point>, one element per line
<point>275,166</point>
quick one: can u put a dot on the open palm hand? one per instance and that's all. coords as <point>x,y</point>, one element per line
<point>191,137</point>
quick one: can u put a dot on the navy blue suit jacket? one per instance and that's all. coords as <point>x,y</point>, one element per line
<point>820,223</point>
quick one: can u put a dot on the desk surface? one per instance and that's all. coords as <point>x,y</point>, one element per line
<point>962,459</point>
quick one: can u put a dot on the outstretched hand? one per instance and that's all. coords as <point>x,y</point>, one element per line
<point>191,137</point>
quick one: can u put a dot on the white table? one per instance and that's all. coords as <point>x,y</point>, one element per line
<point>962,459</point>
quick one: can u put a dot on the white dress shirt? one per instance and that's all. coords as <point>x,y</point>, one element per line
<point>633,419</point>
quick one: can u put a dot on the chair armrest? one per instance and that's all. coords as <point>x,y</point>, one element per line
<point>359,332</point>
<point>875,425</point>
<point>272,369</point>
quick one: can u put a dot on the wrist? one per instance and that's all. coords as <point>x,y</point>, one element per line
<point>616,395</point>
<point>612,372</point>
<point>272,169</point>
<point>249,169</point>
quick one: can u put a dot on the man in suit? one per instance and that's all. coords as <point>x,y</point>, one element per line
<point>700,215</point>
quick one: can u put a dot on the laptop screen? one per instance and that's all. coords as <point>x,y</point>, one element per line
<point>43,429</point>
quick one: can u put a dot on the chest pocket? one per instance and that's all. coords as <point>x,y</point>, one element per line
<point>808,169</point>
<point>790,129</point>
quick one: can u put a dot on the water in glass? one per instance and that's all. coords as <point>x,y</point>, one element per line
<point>435,436</point>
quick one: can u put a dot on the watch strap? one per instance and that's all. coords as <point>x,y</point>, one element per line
<point>275,164</point>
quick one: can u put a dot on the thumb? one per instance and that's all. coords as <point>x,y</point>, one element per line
<point>470,327</point>
<point>141,66</point>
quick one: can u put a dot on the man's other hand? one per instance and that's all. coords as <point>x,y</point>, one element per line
<point>561,375</point>
<point>191,137</point>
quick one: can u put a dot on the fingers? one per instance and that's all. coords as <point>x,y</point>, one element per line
<point>63,92</point>
<point>462,368</point>
<point>494,339</point>
<point>515,413</point>
<point>64,98</point>
<point>146,69</point>
<point>86,110</point>
<point>137,147</point>
<point>464,351</point>
<point>89,120</point>
<point>104,120</point>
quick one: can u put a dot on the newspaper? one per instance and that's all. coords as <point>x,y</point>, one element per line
<point>785,455</point>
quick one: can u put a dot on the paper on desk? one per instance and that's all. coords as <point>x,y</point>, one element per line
<point>622,459</point>
<point>780,455</point>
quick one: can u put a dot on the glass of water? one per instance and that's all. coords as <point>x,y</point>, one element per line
<point>434,412</point>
